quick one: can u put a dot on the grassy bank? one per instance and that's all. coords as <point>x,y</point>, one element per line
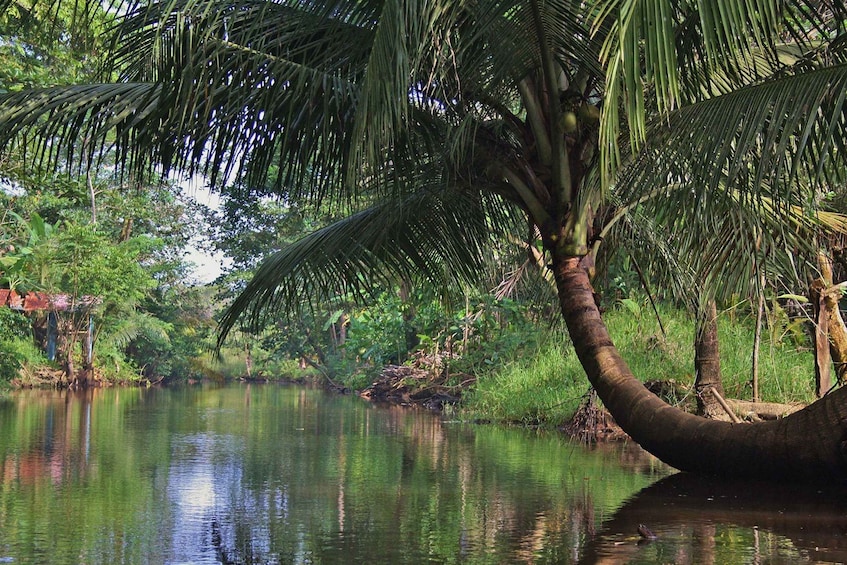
<point>547,387</point>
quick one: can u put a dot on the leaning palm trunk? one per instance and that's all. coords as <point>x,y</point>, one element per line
<point>810,444</point>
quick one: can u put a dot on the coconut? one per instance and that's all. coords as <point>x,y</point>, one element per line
<point>589,113</point>
<point>569,122</point>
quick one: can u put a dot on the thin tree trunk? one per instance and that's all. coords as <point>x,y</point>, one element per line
<point>409,313</point>
<point>342,329</point>
<point>333,337</point>
<point>810,444</point>
<point>466,331</point>
<point>87,375</point>
<point>126,230</point>
<point>65,343</point>
<point>70,367</point>
<point>707,363</point>
<point>93,204</point>
<point>757,342</point>
<point>823,378</point>
<point>836,327</point>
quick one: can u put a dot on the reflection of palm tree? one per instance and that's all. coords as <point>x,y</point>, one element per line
<point>222,553</point>
<point>240,554</point>
<point>813,519</point>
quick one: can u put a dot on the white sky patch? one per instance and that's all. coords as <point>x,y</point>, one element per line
<point>206,266</point>
<point>11,188</point>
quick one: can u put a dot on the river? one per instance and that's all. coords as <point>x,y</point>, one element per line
<point>279,474</point>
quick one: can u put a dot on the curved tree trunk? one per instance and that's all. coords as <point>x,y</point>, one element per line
<point>810,444</point>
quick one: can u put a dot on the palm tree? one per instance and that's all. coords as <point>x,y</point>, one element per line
<point>452,118</point>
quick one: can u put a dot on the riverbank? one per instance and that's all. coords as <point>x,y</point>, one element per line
<point>547,387</point>
<point>542,384</point>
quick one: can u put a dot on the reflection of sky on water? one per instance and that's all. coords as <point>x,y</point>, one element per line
<point>191,492</point>
<point>208,499</point>
<point>278,475</point>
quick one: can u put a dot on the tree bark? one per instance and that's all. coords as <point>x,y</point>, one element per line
<point>707,363</point>
<point>87,375</point>
<point>835,323</point>
<point>248,359</point>
<point>810,444</point>
<point>823,378</point>
<point>757,342</point>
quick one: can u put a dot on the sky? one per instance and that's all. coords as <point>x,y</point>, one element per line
<point>207,266</point>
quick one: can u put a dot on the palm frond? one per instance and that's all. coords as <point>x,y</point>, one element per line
<point>134,326</point>
<point>212,88</point>
<point>719,243</point>
<point>254,86</point>
<point>433,234</point>
<point>767,141</point>
<point>652,246</point>
<point>84,115</point>
<point>656,47</point>
<point>320,92</point>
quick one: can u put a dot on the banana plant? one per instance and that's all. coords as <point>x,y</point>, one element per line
<point>18,262</point>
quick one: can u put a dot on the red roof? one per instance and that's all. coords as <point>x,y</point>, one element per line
<point>33,301</point>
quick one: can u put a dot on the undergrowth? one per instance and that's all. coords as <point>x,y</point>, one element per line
<point>545,387</point>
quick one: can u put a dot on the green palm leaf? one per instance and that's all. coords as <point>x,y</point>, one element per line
<point>773,140</point>
<point>136,325</point>
<point>665,55</point>
<point>434,235</point>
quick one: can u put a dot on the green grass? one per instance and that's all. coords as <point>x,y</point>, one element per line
<point>786,365</point>
<point>545,388</point>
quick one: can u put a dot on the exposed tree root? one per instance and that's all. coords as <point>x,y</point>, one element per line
<point>753,411</point>
<point>424,384</point>
<point>592,423</point>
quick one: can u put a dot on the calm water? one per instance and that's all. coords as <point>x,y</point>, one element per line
<point>271,474</point>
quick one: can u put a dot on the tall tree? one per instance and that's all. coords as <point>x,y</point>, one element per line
<point>454,117</point>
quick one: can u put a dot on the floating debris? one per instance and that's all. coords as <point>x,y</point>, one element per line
<point>645,532</point>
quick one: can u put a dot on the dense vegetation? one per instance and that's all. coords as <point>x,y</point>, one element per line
<point>153,325</point>
<point>426,203</point>
<point>126,242</point>
<point>120,243</point>
<point>546,387</point>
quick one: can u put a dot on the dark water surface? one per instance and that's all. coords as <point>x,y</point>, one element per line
<point>274,474</point>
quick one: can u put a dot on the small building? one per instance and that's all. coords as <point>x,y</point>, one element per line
<point>50,304</point>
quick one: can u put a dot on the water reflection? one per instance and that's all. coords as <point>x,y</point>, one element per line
<point>692,515</point>
<point>60,439</point>
<point>271,474</point>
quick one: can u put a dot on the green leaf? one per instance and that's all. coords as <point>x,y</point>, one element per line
<point>631,305</point>
<point>333,319</point>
